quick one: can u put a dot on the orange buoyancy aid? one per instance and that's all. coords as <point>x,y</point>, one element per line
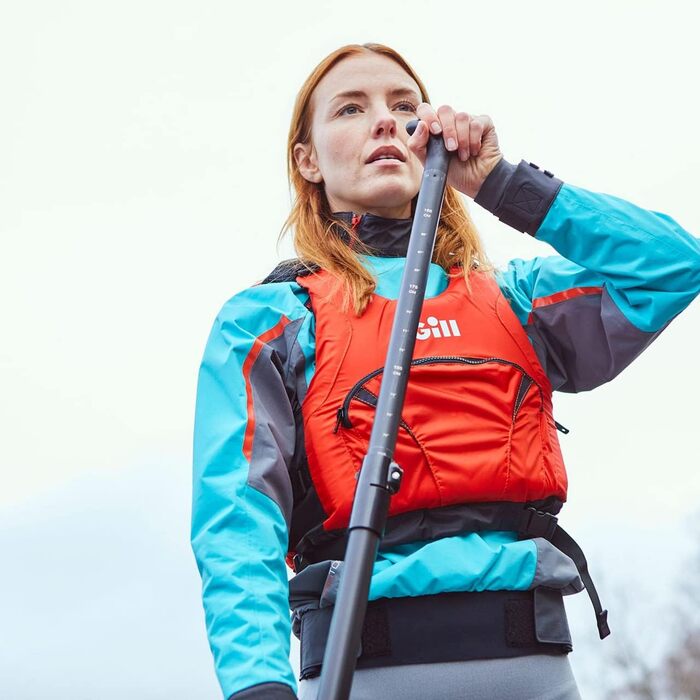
<point>477,423</point>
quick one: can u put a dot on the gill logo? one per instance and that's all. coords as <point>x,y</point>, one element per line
<point>437,328</point>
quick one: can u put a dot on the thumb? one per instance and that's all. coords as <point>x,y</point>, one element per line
<point>418,142</point>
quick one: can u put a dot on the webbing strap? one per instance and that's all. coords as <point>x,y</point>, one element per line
<point>537,523</point>
<point>564,542</point>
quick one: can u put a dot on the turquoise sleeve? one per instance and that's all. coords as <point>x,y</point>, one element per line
<point>243,440</point>
<point>622,274</point>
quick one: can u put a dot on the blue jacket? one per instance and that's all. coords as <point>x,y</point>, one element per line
<point>622,274</point>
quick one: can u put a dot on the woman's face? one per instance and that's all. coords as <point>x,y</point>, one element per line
<point>361,105</point>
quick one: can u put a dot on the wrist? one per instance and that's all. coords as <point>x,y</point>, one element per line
<point>494,185</point>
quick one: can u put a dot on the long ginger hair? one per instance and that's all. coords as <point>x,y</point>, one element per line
<point>315,229</point>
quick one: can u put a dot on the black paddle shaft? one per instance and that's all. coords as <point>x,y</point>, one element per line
<point>380,476</point>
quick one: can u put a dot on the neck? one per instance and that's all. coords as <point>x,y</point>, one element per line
<point>386,237</point>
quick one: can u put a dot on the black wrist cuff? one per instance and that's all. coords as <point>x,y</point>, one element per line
<point>265,691</point>
<point>519,196</point>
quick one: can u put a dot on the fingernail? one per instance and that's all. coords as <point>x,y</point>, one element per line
<point>435,127</point>
<point>463,155</point>
<point>451,144</point>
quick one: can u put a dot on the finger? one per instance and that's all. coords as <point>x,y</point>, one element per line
<point>449,130</point>
<point>476,129</point>
<point>418,140</point>
<point>426,113</point>
<point>462,122</point>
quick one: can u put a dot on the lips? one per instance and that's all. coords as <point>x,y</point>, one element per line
<point>389,152</point>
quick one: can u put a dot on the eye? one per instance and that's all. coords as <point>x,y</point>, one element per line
<point>346,107</point>
<point>410,105</point>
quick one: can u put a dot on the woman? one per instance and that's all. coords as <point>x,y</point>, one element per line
<point>467,586</point>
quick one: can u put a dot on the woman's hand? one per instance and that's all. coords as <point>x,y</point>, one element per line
<point>472,137</point>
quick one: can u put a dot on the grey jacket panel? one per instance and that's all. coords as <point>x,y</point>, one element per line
<point>275,378</point>
<point>585,341</point>
<point>555,569</point>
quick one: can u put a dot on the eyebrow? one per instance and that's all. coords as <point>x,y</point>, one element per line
<point>394,92</point>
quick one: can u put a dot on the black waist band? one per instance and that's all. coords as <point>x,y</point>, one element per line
<point>445,627</point>
<point>527,519</point>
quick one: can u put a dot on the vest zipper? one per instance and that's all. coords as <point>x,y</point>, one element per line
<point>372,402</point>
<point>342,414</point>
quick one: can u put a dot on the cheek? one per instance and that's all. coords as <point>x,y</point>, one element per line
<point>331,160</point>
<point>342,150</point>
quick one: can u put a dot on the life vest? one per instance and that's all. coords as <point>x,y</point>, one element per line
<point>478,442</point>
<point>477,423</point>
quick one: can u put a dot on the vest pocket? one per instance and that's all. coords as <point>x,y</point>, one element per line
<point>360,392</point>
<point>469,431</point>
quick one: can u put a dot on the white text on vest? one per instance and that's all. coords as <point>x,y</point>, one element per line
<point>437,328</point>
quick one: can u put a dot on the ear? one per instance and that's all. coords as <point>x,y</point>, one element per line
<point>305,157</point>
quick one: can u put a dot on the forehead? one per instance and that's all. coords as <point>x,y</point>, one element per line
<point>367,73</point>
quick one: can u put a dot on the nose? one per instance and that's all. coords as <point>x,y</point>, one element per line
<point>385,124</point>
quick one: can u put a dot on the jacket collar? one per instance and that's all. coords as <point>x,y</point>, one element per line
<point>387,238</point>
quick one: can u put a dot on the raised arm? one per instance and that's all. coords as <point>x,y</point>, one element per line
<point>242,497</point>
<point>622,275</point>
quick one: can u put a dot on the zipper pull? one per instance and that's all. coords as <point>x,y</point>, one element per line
<point>561,428</point>
<point>341,418</point>
<point>338,420</point>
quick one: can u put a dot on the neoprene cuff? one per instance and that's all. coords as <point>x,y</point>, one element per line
<point>519,196</point>
<point>265,691</point>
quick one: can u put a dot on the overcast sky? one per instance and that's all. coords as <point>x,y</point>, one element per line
<point>142,183</point>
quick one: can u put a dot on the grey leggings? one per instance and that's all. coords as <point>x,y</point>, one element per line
<point>537,677</point>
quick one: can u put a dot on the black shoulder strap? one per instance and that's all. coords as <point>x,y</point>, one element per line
<point>289,270</point>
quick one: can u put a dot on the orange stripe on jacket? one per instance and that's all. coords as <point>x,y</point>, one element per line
<point>258,345</point>
<point>562,296</point>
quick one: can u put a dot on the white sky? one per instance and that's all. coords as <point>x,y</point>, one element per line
<point>142,183</point>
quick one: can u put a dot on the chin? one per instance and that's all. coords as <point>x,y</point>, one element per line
<point>391,195</point>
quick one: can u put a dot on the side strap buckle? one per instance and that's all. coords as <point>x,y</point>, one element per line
<point>537,523</point>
